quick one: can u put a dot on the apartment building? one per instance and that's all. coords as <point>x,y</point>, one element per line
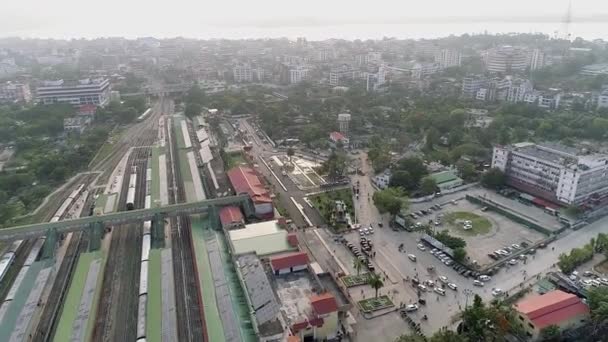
<point>471,85</point>
<point>536,59</point>
<point>298,74</point>
<point>602,100</point>
<point>448,58</point>
<point>505,59</point>
<point>342,74</point>
<point>87,91</point>
<point>11,92</point>
<point>554,172</point>
<point>242,73</point>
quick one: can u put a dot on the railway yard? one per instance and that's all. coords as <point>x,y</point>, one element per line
<point>134,281</point>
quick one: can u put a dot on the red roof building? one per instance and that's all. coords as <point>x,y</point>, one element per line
<point>336,136</point>
<point>245,180</point>
<point>289,262</point>
<point>231,217</point>
<point>559,308</point>
<point>324,304</point>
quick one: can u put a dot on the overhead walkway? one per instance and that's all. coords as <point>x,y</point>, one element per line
<point>25,231</point>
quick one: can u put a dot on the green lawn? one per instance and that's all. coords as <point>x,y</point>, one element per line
<point>154,309</point>
<point>325,203</point>
<point>481,225</point>
<point>234,159</point>
<point>355,280</point>
<point>109,145</point>
<point>375,304</point>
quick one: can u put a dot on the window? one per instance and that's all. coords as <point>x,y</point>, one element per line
<point>530,325</point>
<point>521,318</point>
<point>529,334</point>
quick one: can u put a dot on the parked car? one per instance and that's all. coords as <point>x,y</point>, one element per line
<point>443,279</point>
<point>453,286</point>
<point>421,287</point>
<point>478,283</point>
<point>497,292</point>
<point>411,257</point>
<point>484,277</point>
<point>421,247</point>
<point>512,262</point>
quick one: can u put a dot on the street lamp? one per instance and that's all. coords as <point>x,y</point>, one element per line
<point>467,293</point>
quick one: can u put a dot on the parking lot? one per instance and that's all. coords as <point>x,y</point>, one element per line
<point>503,232</point>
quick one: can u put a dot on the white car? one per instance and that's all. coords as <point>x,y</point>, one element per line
<point>421,287</point>
<point>429,283</point>
<point>516,246</point>
<point>412,257</point>
<point>587,282</point>
<point>453,286</point>
<point>512,262</point>
<point>371,230</point>
<point>478,283</point>
<point>411,307</point>
<point>497,292</point>
<point>421,247</point>
<point>484,277</point>
<point>443,279</point>
<point>439,290</point>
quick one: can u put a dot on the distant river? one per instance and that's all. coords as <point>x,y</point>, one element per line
<point>587,30</point>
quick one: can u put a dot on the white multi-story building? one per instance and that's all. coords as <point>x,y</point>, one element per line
<point>87,91</point>
<point>15,92</point>
<point>298,74</point>
<point>448,58</point>
<point>472,84</point>
<point>518,89</point>
<point>338,76</point>
<point>506,59</point>
<point>537,59</point>
<point>553,172</point>
<point>242,73</point>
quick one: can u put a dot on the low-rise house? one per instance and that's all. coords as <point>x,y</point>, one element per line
<point>555,308</point>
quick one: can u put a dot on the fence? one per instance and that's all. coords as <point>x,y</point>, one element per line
<point>510,214</point>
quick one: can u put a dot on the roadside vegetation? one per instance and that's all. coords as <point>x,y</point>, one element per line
<point>568,262</point>
<point>45,156</point>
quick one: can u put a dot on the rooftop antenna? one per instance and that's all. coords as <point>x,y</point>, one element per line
<point>567,20</point>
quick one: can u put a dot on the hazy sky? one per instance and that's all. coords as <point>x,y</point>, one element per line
<point>131,18</point>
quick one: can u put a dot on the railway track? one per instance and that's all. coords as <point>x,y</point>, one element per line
<point>116,318</point>
<point>13,271</point>
<point>187,291</point>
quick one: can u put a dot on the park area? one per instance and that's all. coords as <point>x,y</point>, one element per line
<point>325,203</point>
<point>374,304</point>
<point>479,225</point>
<point>355,280</point>
<point>490,230</point>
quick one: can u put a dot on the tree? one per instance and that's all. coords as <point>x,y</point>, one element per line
<point>335,165</point>
<point>358,264</point>
<point>389,200</point>
<point>415,167</point>
<point>432,138</point>
<point>375,281</point>
<point>459,254</point>
<point>551,333</point>
<point>290,153</point>
<point>466,170</point>
<point>402,179</point>
<point>410,338</point>
<point>445,335</point>
<point>193,109</point>
<point>451,241</point>
<point>428,185</point>
<point>598,304</point>
<point>494,178</point>
<point>574,211</point>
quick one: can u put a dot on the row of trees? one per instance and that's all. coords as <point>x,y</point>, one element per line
<point>578,256</point>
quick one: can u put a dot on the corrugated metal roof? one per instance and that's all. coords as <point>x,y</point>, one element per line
<point>244,180</point>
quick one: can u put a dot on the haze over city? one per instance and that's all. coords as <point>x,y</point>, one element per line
<point>269,19</point>
<point>322,171</point>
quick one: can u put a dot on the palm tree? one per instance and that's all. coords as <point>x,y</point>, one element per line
<point>358,264</point>
<point>375,282</point>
